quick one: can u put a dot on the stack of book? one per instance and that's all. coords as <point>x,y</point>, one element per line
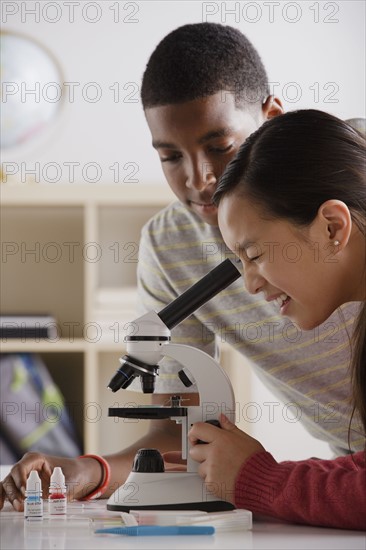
<point>29,327</point>
<point>114,311</point>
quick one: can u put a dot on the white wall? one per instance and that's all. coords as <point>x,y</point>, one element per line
<point>322,50</point>
<point>310,49</point>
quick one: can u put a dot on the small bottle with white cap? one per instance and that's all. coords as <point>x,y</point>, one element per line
<point>33,503</point>
<point>57,500</point>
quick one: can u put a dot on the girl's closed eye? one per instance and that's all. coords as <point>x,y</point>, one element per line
<point>253,253</point>
<point>254,258</point>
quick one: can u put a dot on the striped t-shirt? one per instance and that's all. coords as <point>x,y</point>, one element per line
<point>309,369</point>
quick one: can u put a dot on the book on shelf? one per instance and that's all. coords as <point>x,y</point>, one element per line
<point>112,298</point>
<point>114,310</point>
<point>28,326</point>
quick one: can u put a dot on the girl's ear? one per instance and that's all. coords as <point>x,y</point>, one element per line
<point>337,222</point>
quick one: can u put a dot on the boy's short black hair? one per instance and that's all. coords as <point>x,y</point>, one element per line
<point>199,60</point>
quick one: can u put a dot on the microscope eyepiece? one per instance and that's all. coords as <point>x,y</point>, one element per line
<point>201,292</point>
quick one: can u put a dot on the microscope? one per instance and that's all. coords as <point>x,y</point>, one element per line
<point>148,486</point>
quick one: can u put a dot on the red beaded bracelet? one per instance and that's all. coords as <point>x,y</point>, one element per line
<point>102,487</point>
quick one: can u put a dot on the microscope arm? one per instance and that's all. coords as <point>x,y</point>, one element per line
<point>215,391</point>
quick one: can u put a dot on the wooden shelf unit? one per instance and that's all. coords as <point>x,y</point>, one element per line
<point>61,245</point>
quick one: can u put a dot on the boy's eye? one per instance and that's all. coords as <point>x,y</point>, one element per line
<point>222,149</point>
<point>170,158</point>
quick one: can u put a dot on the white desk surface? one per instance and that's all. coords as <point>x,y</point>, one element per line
<point>75,533</point>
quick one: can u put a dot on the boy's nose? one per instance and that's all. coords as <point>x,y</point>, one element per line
<point>200,175</point>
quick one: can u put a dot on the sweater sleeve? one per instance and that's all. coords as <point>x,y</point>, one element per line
<point>328,493</point>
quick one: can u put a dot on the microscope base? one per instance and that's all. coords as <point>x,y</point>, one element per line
<point>165,491</point>
<point>214,506</point>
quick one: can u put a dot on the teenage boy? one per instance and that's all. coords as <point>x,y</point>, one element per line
<point>204,91</point>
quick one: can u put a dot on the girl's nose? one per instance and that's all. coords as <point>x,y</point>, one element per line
<point>253,281</point>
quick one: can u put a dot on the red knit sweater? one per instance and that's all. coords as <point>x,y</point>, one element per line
<point>328,493</point>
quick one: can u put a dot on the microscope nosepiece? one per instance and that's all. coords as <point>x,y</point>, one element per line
<point>148,383</point>
<point>129,369</point>
<point>121,379</point>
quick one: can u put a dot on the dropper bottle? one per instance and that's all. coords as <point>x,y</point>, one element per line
<point>33,503</point>
<point>57,499</point>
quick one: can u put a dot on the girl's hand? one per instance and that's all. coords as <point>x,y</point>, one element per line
<point>222,456</point>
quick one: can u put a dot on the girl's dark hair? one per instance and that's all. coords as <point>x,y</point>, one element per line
<point>290,166</point>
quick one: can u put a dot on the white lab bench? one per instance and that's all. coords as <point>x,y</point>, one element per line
<point>76,531</point>
<point>73,533</point>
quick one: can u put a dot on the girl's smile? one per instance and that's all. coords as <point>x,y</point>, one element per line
<point>298,269</point>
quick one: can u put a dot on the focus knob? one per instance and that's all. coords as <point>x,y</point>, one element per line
<point>148,460</point>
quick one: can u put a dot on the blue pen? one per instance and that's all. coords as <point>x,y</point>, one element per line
<point>158,530</point>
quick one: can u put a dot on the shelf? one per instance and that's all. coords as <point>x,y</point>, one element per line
<point>64,247</point>
<point>85,194</point>
<point>16,345</point>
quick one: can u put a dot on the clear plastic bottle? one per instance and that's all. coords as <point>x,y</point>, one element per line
<point>33,504</point>
<point>57,501</point>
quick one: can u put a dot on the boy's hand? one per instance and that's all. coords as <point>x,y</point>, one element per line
<point>78,474</point>
<point>173,461</point>
<point>223,455</point>
<point>12,488</point>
